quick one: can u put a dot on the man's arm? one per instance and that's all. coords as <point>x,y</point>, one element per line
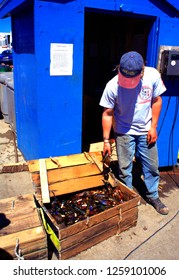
<point>107,121</point>
<point>156,109</point>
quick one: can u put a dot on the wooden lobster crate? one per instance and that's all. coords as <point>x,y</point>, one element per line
<point>69,174</point>
<point>22,235</point>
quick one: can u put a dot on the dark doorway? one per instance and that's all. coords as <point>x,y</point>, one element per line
<point>107,37</point>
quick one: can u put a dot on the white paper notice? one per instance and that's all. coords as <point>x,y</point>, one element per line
<point>61,59</point>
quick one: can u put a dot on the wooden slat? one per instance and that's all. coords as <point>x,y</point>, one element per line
<point>44,181</point>
<point>25,236</point>
<point>75,185</point>
<point>97,161</point>
<point>86,239</point>
<point>129,219</point>
<point>37,255</point>
<point>72,172</point>
<point>19,221</point>
<point>30,240</point>
<point>63,161</point>
<point>87,233</point>
<point>16,203</point>
<point>88,243</point>
<point>93,221</point>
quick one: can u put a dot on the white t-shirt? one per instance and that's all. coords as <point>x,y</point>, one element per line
<point>132,107</point>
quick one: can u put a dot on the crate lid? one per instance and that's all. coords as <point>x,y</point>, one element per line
<point>66,174</point>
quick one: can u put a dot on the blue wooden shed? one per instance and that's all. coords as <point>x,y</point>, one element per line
<point>65,51</point>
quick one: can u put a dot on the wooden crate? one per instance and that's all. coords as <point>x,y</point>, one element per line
<point>22,234</point>
<point>74,173</point>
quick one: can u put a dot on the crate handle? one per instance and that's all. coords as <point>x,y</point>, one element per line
<point>18,251</point>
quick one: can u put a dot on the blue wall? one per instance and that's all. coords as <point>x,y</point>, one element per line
<point>49,109</point>
<point>5,25</point>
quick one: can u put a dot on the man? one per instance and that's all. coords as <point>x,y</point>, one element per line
<point>132,105</point>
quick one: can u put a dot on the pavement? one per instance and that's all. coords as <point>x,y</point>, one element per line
<point>11,184</point>
<point>155,237</point>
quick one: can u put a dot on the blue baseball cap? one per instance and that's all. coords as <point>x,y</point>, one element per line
<point>130,68</point>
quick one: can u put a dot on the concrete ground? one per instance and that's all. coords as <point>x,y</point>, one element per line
<point>11,184</point>
<point>155,237</point>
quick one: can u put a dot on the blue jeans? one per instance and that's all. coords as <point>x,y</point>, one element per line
<point>129,145</point>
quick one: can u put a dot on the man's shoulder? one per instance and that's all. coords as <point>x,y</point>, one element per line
<point>151,74</point>
<point>113,82</point>
<point>150,70</point>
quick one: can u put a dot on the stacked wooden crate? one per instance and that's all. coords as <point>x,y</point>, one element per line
<point>22,235</point>
<point>69,174</point>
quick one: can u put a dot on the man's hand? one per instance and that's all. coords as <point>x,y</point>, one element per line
<point>156,108</point>
<point>107,148</point>
<point>152,136</point>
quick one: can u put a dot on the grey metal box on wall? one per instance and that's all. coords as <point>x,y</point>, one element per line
<point>4,79</point>
<point>3,98</point>
<point>11,105</point>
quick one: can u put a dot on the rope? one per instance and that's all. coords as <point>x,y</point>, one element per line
<point>18,251</point>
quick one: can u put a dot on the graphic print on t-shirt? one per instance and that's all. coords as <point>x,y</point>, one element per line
<point>145,94</point>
